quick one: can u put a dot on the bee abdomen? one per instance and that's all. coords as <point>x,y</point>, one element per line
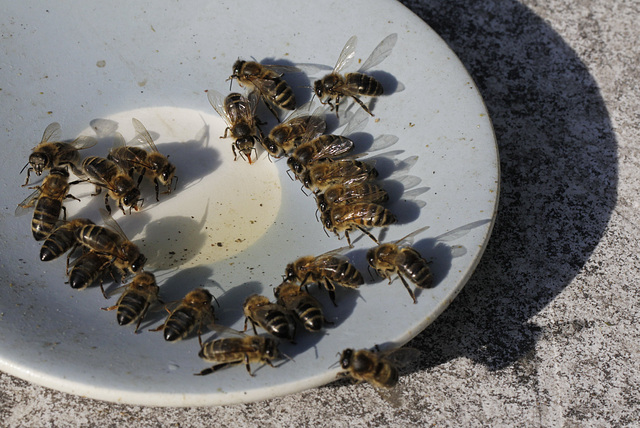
<point>310,315</point>
<point>386,374</point>
<point>178,326</point>
<point>284,96</point>
<point>366,85</point>
<point>347,275</point>
<point>416,268</point>
<point>45,216</point>
<point>277,324</point>
<point>130,308</point>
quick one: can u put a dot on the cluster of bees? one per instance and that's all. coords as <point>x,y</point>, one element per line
<point>344,186</point>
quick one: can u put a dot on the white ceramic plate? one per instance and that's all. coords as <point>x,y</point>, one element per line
<point>77,62</point>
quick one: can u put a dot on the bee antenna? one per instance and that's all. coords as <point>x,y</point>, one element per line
<point>24,167</point>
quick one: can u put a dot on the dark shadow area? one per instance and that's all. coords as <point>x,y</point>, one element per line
<point>558,185</point>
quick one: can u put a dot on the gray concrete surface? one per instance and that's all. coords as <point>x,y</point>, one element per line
<point>545,333</point>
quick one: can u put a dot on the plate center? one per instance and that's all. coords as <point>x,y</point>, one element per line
<point>220,206</point>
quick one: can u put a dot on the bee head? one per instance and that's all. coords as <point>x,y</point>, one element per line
<point>39,162</point>
<point>318,88</point>
<point>345,358</point>
<point>237,68</point>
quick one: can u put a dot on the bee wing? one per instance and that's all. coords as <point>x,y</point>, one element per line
<point>112,223</point>
<point>249,113</point>
<point>357,122</point>
<point>381,51</point>
<point>120,144</point>
<point>338,252</point>
<point>401,357</point>
<point>51,133</point>
<point>216,99</point>
<point>282,69</point>
<point>83,142</point>
<point>24,206</point>
<point>143,135</point>
<point>408,239</point>
<point>383,141</point>
<point>335,148</point>
<point>347,54</point>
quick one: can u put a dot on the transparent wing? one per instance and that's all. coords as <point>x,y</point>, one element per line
<point>334,149</point>
<point>25,206</point>
<point>383,141</point>
<point>347,54</point>
<point>83,142</point>
<point>357,122</point>
<point>382,51</point>
<point>51,133</point>
<point>401,357</point>
<point>142,135</point>
<point>112,223</point>
<point>408,239</point>
<point>281,69</point>
<point>216,99</point>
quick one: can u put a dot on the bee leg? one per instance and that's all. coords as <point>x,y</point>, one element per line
<point>246,364</point>
<point>70,196</point>
<point>110,308</point>
<point>235,155</point>
<point>212,369</point>
<point>331,289</point>
<point>362,104</point>
<point>97,191</point>
<point>140,318</point>
<point>226,130</point>
<point>366,232</point>
<point>28,174</point>
<point>404,281</point>
<point>155,181</point>
<point>106,203</point>
<point>64,213</point>
<point>271,109</point>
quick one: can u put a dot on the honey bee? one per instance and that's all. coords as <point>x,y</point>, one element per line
<point>193,312</point>
<point>230,351</point>
<point>380,369</point>
<point>273,318</point>
<point>48,199</point>
<point>334,86</point>
<point>62,239</point>
<point>341,194</point>
<point>51,152</point>
<point>87,269</point>
<point>345,218</point>
<point>298,128</point>
<point>329,269</point>
<point>238,112</point>
<point>302,304</point>
<point>324,147</point>
<point>136,299</point>
<point>103,172</point>
<point>150,162</point>
<point>318,177</point>
<point>112,242</point>
<point>267,81</point>
<point>403,260</point>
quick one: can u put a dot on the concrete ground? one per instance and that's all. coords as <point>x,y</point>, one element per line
<point>546,331</point>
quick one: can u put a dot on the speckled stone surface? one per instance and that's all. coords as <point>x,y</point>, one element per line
<point>546,331</point>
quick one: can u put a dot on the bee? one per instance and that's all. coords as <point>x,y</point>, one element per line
<point>298,128</point>
<point>52,153</point>
<point>321,175</point>
<point>270,316</point>
<point>334,86</point>
<point>238,112</point>
<point>111,241</point>
<point>88,268</point>
<point>150,162</point>
<point>193,312</point>
<point>324,147</point>
<point>120,187</point>
<point>48,199</point>
<point>403,260</point>
<point>136,299</point>
<point>62,239</point>
<point>230,351</point>
<point>329,269</point>
<point>267,81</point>
<point>341,194</point>
<point>345,218</point>
<point>380,369</point>
<point>305,307</point>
